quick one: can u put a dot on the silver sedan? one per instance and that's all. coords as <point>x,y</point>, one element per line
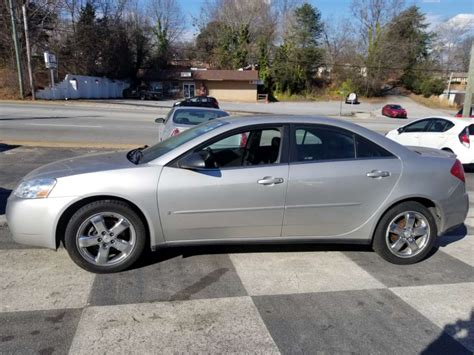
<point>242,180</point>
<point>180,119</point>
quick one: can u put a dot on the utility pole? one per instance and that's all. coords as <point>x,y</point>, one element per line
<point>17,48</point>
<point>28,51</point>
<point>449,86</point>
<point>466,111</point>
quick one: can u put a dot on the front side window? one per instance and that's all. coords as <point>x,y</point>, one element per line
<point>157,150</point>
<point>194,117</point>
<point>245,148</point>
<point>320,143</point>
<point>419,126</point>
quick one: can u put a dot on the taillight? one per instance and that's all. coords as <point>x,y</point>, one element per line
<point>458,171</point>
<point>175,132</point>
<point>464,137</point>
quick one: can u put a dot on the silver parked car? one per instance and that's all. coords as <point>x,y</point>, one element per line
<point>240,180</point>
<point>180,119</point>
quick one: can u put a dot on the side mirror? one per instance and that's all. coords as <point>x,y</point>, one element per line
<point>160,120</point>
<point>400,130</point>
<point>193,161</point>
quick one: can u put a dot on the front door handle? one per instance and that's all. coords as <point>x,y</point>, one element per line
<point>376,174</point>
<point>269,180</point>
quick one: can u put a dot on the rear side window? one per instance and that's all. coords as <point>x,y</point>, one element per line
<point>471,130</point>
<point>366,149</point>
<point>320,143</point>
<point>440,125</point>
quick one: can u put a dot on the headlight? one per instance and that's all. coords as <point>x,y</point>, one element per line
<point>38,188</point>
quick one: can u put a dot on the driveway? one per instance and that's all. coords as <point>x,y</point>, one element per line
<point>258,299</point>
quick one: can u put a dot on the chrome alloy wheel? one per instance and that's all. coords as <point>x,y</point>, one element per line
<point>106,239</point>
<point>407,234</point>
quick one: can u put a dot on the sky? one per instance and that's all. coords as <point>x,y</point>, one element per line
<point>437,11</point>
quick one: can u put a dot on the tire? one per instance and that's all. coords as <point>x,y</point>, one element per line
<point>112,235</point>
<point>407,246</point>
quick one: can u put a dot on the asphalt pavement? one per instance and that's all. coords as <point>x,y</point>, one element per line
<point>244,299</point>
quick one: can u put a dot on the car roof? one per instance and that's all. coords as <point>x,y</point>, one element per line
<point>285,119</point>
<point>455,120</point>
<point>196,108</point>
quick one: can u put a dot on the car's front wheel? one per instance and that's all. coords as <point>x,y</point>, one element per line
<point>406,233</point>
<point>105,236</point>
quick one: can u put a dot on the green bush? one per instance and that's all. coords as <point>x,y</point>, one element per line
<point>432,86</point>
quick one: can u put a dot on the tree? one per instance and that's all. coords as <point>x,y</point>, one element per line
<point>372,16</point>
<point>408,32</point>
<point>86,42</point>
<point>297,60</point>
<point>169,26</point>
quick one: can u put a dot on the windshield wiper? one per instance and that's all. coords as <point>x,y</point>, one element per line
<point>135,155</point>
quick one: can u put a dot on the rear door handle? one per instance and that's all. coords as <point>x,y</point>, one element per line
<point>376,174</point>
<point>269,180</point>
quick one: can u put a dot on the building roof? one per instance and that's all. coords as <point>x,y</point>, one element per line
<point>205,75</point>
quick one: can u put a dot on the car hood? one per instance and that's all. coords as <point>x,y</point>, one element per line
<point>82,165</point>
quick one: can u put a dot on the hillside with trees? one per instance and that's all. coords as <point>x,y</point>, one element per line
<point>382,43</point>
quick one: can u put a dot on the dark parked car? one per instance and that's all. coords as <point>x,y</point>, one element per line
<point>199,101</point>
<point>142,93</point>
<point>459,114</point>
<point>395,111</point>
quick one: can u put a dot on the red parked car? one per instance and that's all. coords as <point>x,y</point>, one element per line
<point>395,111</point>
<point>459,114</point>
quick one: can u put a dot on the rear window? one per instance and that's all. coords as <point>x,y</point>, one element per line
<point>195,117</point>
<point>396,107</point>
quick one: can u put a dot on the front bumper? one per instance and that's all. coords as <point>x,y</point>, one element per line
<point>33,221</point>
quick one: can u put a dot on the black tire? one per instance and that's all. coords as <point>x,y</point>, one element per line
<point>81,217</point>
<point>380,244</point>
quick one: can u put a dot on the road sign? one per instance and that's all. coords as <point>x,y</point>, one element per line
<point>50,60</point>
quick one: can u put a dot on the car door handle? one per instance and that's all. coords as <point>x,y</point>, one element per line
<point>375,174</point>
<point>268,180</point>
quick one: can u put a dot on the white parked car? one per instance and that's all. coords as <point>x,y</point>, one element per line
<point>180,119</point>
<point>455,135</point>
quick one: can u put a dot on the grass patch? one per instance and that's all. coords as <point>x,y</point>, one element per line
<point>433,102</point>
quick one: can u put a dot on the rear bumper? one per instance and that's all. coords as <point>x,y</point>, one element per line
<point>454,209</point>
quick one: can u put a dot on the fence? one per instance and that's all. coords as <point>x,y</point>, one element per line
<point>84,87</point>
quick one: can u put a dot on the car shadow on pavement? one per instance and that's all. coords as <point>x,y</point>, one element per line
<point>5,147</point>
<point>452,236</point>
<point>462,330</point>
<point>469,168</point>
<point>4,193</point>
<point>167,253</point>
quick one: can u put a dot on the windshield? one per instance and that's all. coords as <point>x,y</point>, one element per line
<point>396,107</point>
<point>157,150</point>
<point>194,117</point>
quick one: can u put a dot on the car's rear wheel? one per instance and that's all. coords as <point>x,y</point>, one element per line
<point>105,236</point>
<point>406,233</point>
